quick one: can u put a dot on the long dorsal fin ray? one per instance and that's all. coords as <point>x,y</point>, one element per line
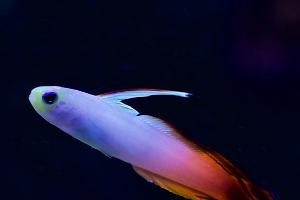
<point>136,93</point>
<point>118,96</point>
<point>173,186</point>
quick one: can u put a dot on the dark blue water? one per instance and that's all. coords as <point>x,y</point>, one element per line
<point>240,59</point>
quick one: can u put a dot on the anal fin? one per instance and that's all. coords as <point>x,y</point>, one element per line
<point>172,186</point>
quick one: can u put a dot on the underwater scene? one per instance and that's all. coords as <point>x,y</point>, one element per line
<point>151,100</point>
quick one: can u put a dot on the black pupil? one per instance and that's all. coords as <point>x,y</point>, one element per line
<point>49,97</point>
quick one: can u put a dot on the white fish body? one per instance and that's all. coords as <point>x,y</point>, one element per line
<point>154,148</point>
<point>110,126</point>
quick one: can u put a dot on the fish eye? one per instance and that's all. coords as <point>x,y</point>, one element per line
<point>49,97</point>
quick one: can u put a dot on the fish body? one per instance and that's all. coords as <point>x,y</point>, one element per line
<point>154,149</point>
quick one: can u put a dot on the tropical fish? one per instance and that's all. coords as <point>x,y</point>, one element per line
<point>154,148</point>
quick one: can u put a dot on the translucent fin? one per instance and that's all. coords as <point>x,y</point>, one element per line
<point>135,93</point>
<point>118,96</point>
<point>168,129</point>
<point>126,107</point>
<point>173,186</point>
<point>158,124</point>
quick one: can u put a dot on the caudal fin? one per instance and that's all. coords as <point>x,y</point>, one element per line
<point>249,192</point>
<point>261,194</point>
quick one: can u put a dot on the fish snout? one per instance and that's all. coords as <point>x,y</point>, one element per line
<point>32,96</point>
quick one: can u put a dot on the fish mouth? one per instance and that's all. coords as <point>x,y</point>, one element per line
<point>32,96</point>
<point>36,92</point>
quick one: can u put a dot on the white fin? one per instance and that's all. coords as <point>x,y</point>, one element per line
<point>126,107</point>
<point>118,96</point>
<point>169,130</point>
<point>129,94</point>
<point>159,124</point>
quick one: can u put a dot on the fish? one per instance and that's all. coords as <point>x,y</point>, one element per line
<point>155,149</point>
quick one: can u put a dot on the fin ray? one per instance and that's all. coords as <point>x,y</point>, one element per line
<point>172,186</point>
<point>118,96</point>
<point>135,93</point>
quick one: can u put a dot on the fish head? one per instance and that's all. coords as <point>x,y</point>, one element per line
<point>57,105</point>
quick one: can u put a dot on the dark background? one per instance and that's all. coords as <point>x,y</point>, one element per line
<point>240,58</point>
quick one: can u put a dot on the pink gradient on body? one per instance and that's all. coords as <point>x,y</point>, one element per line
<point>190,167</point>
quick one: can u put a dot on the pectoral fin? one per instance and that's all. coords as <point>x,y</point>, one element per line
<point>173,186</point>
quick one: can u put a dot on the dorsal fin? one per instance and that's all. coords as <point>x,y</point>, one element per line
<point>158,124</point>
<point>168,129</point>
<point>118,96</point>
<point>135,93</point>
<point>173,186</point>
